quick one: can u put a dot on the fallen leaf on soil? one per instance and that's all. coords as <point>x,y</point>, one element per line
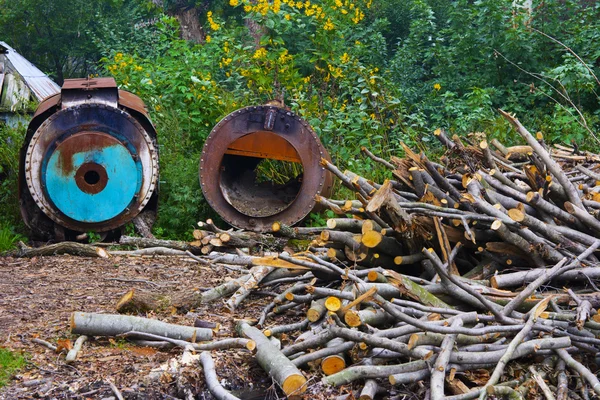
<point>63,344</point>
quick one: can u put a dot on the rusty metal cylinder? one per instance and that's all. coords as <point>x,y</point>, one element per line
<point>89,161</point>
<point>232,153</point>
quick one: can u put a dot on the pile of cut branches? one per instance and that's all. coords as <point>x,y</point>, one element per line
<point>436,280</point>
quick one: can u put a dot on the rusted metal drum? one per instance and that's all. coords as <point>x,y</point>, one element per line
<point>89,161</point>
<point>234,149</point>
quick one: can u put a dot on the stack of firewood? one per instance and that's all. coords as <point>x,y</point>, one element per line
<point>435,279</point>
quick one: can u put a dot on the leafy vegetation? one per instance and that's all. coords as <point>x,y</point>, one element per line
<point>362,73</point>
<point>10,362</point>
<point>10,218</point>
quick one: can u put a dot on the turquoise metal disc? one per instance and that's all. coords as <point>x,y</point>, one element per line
<point>92,177</point>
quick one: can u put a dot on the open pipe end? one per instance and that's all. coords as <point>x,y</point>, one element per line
<point>262,164</point>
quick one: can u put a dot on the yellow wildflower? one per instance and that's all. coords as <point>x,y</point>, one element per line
<point>287,16</point>
<point>213,25</point>
<point>276,6</point>
<point>437,86</point>
<point>284,57</point>
<point>345,58</point>
<point>247,8</point>
<point>260,53</point>
<point>328,25</point>
<point>208,38</point>
<point>234,3</point>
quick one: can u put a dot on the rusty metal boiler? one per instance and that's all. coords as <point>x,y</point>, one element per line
<point>234,149</point>
<point>89,162</point>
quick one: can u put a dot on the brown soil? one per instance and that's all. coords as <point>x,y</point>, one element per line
<point>38,295</point>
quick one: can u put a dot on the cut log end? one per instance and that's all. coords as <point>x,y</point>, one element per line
<point>367,226</point>
<point>371,239</point>
<point>125,299</point>
<point>373,276</point>
<point>137,301</point>
<point>313,315</point>
<point>333,364</point>
<point>412,341</point>
<point>496,225</point>
<point>333,304</point>
<point>294,385</point>
<point>352,318</point>
<point>516,214</point>
<point>494,282</point>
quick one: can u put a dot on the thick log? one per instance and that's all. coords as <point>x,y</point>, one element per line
<point>356,372</point>
<point>368,316</point>
<point>277,365</point>
<point>316,311</point>
<point>345,224</point>
<point>137,301</point>
<point>524,277</point>
<point>71,248</point>
<point>151,242</point>
<point>92,324</point>
<point>334,363</point>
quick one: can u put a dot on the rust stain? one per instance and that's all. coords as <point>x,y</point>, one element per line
<point>264,145</point>
<point>82,142</point>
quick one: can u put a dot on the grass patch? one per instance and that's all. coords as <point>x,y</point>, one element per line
<point>8,238</point>
<point>10,362</point>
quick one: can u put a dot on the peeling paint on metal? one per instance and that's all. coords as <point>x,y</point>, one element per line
<point>124,177</point>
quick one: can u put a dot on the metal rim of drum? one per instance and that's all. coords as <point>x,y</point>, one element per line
<point>305,141</point>
<point>44,138</point>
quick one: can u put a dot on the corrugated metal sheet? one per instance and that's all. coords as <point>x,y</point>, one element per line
<point>40,85</point>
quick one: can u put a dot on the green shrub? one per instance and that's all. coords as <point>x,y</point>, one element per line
<point>10,145</point>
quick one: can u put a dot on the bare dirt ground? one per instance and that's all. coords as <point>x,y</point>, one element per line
<point>38,295</point>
